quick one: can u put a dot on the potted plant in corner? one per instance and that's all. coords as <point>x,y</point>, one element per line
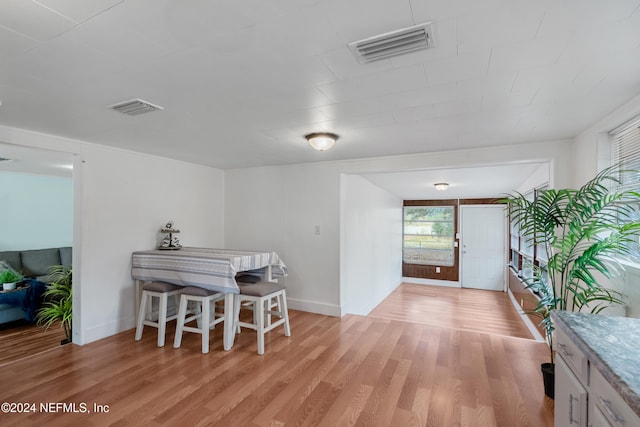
<point>9,279</point>
<point>58,307</point>
<point>585,233</point>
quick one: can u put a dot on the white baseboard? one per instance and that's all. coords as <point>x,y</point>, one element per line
<point>431,282</point>
<point>105,330</point>
<point>314,307</point>
<point>532,328</point>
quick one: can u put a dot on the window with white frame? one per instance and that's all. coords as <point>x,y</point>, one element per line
<point>626,155</point>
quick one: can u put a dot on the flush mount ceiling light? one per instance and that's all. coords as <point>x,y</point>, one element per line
<point>321,141</point>
<point>441,186</point>
<point>133,107</point>
<point>393,43</point>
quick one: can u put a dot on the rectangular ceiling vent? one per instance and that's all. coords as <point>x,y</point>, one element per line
<point>134,107</point>
<point>394,43</point>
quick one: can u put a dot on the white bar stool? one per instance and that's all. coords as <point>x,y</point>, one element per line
<point>162,291</point>
<point>204,300</point>
<point>261,294</point>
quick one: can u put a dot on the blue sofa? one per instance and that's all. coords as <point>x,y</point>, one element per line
<point>36,264</point>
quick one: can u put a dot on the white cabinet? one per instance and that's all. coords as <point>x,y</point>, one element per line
<point>608,403</point>
<point>573,356</point>
<point>570,406</point>
<point>571,383</point>
<point>597,418</point>
<point>583,396</point>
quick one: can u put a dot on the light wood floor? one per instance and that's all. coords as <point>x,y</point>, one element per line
<point>26,340</point>
<point>467,309</point>
<point>349,371</point>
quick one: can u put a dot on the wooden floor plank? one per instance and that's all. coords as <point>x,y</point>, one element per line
<point>349,371</point>
<point>20,340</point>
<point>459,308</point>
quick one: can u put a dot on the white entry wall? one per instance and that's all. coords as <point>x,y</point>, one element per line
<point>370,244</point>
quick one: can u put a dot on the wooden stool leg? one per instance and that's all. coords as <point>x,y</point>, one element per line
<point>259,316</point>
<point>162,319</point>
<point>212,310</point>
<point>182,313</point>
<point>198,311</point>
<point>142,312</point>
<point>268,312</point>
<point>236,314</point>
<point>229,336</point>
<point>283,309</point>
<point>204,323</point>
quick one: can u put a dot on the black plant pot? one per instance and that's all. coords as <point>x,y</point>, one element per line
<point>548,377</point>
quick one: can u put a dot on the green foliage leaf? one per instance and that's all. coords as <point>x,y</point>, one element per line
<point>586,233</point>
<point>59,307</point>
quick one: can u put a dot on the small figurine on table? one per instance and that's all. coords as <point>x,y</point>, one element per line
<point>170,242</point>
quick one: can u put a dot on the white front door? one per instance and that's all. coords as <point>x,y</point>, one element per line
<point>483,255</point>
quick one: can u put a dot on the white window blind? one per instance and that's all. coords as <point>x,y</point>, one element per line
<point>526,242</point>
<point>626,153</point>
<point>541,249</point>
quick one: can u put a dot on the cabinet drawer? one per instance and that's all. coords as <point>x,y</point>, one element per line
<point>570,405</point>
<point>608,401</point>
<point>573,356</point>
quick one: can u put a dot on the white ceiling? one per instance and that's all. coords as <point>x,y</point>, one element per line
<point>241,83</point>
<point>464,183</point>
<point>35,161</point>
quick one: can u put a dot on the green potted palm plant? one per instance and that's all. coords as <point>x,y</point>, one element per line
<point>58,306</point>
<point>585,233</point>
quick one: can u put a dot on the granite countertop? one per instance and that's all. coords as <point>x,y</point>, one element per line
<point>612,345</point>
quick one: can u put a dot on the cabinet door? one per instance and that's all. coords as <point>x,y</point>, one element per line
<point>597,418</point>
<point>609,403</point>
<point>570,398</point>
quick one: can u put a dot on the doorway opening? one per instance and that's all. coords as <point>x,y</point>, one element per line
<point>38,235</point>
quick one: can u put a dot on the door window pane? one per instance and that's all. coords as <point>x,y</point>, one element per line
<point>429,235</point>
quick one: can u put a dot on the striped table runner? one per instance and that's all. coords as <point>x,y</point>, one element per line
<point>211,269</point>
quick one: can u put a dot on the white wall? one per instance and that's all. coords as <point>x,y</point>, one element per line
<point>371,244</point>
<point>591,149</point>
<point>537,179</point>
<point>631,290</point>
<point>36,212</point>
<point>592,153</point>
<point>121,200</point>
<point>279,207</point>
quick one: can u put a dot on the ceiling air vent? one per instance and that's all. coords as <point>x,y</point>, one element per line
<point>393,43</point>
<point>134,107</point>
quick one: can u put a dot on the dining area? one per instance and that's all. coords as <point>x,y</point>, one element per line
<point>201,288</point>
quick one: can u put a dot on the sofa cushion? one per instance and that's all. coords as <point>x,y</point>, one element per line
<point>4,265</point>
<point>66,256</point>
<point>38,262</point>
<point>13,258</point>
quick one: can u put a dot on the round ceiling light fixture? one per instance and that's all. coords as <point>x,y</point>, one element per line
<point>441,186</point>
<point>321,141</point>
